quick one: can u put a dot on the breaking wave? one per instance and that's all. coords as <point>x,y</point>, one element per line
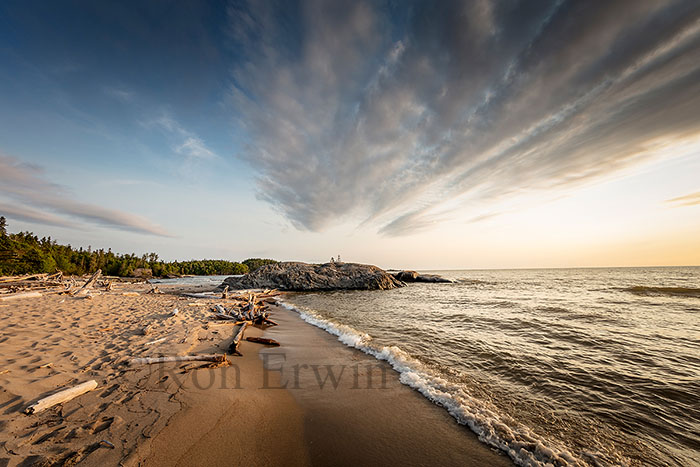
<point>496,430</point>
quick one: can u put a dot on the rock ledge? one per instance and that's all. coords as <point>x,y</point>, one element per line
<point>296,276</point>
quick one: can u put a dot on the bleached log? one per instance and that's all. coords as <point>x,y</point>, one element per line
<point>130,294</point>
<point>233,348</point>
<point>83,290</point>
<point>19,295</point>
<point>179,358</point>
<point>199,295</point>
<point>61,396</point>
<point>157,341</point>
<point>224,294</point>
<point>22,278</point>
<point>55,277</point>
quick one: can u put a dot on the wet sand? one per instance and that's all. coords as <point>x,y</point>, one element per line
<point>188,413</point>
<point>361,415</point>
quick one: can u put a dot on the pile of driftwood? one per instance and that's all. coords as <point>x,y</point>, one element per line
<point>36,285</point>
<point>246,310</point>
<point>248,307</point>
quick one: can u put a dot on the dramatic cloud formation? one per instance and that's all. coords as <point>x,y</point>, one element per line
<point>26,186</point>
<point>396,114</point>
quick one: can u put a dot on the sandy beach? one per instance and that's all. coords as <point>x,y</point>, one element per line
<point>311,401</point>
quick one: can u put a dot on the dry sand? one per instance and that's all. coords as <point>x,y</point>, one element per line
<point>192,414</point>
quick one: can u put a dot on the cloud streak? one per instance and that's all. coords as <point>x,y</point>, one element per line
<point>35,199</point>
<point>692,199</point>
<point>189,145</point>
<point>356,110</point>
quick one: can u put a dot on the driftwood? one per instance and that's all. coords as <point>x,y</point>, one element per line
<point>270,322</point>
<point>180,358</point>
<point>226,317</point>
<point>61,396</point>
<point>233,348</point>
<point>227,322</point>
<point>224,294</point>
<point>83,290</point>
<point>157,341</point>
<point>19,295</point>
<point>263,340</point>
<point>199,295</point>
<point>22,278</point>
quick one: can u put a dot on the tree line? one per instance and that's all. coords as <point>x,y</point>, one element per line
<point>25,253</point>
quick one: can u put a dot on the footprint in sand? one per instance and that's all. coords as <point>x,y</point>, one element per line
<point>48,435</point>
<point>108,392</point>
<point>100,425</point>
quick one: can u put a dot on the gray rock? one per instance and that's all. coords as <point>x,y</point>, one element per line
<point>296,276</point>
<point>413,276</point>
<point>407,276</point>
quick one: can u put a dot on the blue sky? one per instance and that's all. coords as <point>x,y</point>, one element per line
<point>407,134</point>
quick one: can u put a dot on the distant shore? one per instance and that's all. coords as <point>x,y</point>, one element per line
<point>190,413</point>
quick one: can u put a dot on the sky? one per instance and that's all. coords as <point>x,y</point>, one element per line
<point>426,135</point>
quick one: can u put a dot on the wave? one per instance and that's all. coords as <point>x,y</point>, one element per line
<point>670,291</point>
<point>519,443</point>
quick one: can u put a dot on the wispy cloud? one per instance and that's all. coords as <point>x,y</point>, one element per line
<point>387,115</point>
<point>187,144</point>
<point>27,214</point>
<point>693,199</point>
<point>119,93</point>
<point>36,199</point>
<point>195,148</point>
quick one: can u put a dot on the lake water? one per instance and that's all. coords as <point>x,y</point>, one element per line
<point>561,366</point>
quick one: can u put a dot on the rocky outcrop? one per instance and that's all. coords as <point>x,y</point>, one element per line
<point>413,276</point>
<point>406,276</point>
<point>296,276</point>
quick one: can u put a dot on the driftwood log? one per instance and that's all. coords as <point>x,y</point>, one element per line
<point>83,290</point>
<point>263,340</point>
<point>180,358</point>
<point>233,348</point>
<point>22,278</point>
<point>61,396</point>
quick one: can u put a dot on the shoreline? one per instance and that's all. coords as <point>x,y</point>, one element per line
<point>188,414</point>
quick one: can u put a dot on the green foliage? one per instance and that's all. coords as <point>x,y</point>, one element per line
<point>255,263</point>
<point>25,253</point>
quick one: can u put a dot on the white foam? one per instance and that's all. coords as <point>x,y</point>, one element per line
<point>522,446</point>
